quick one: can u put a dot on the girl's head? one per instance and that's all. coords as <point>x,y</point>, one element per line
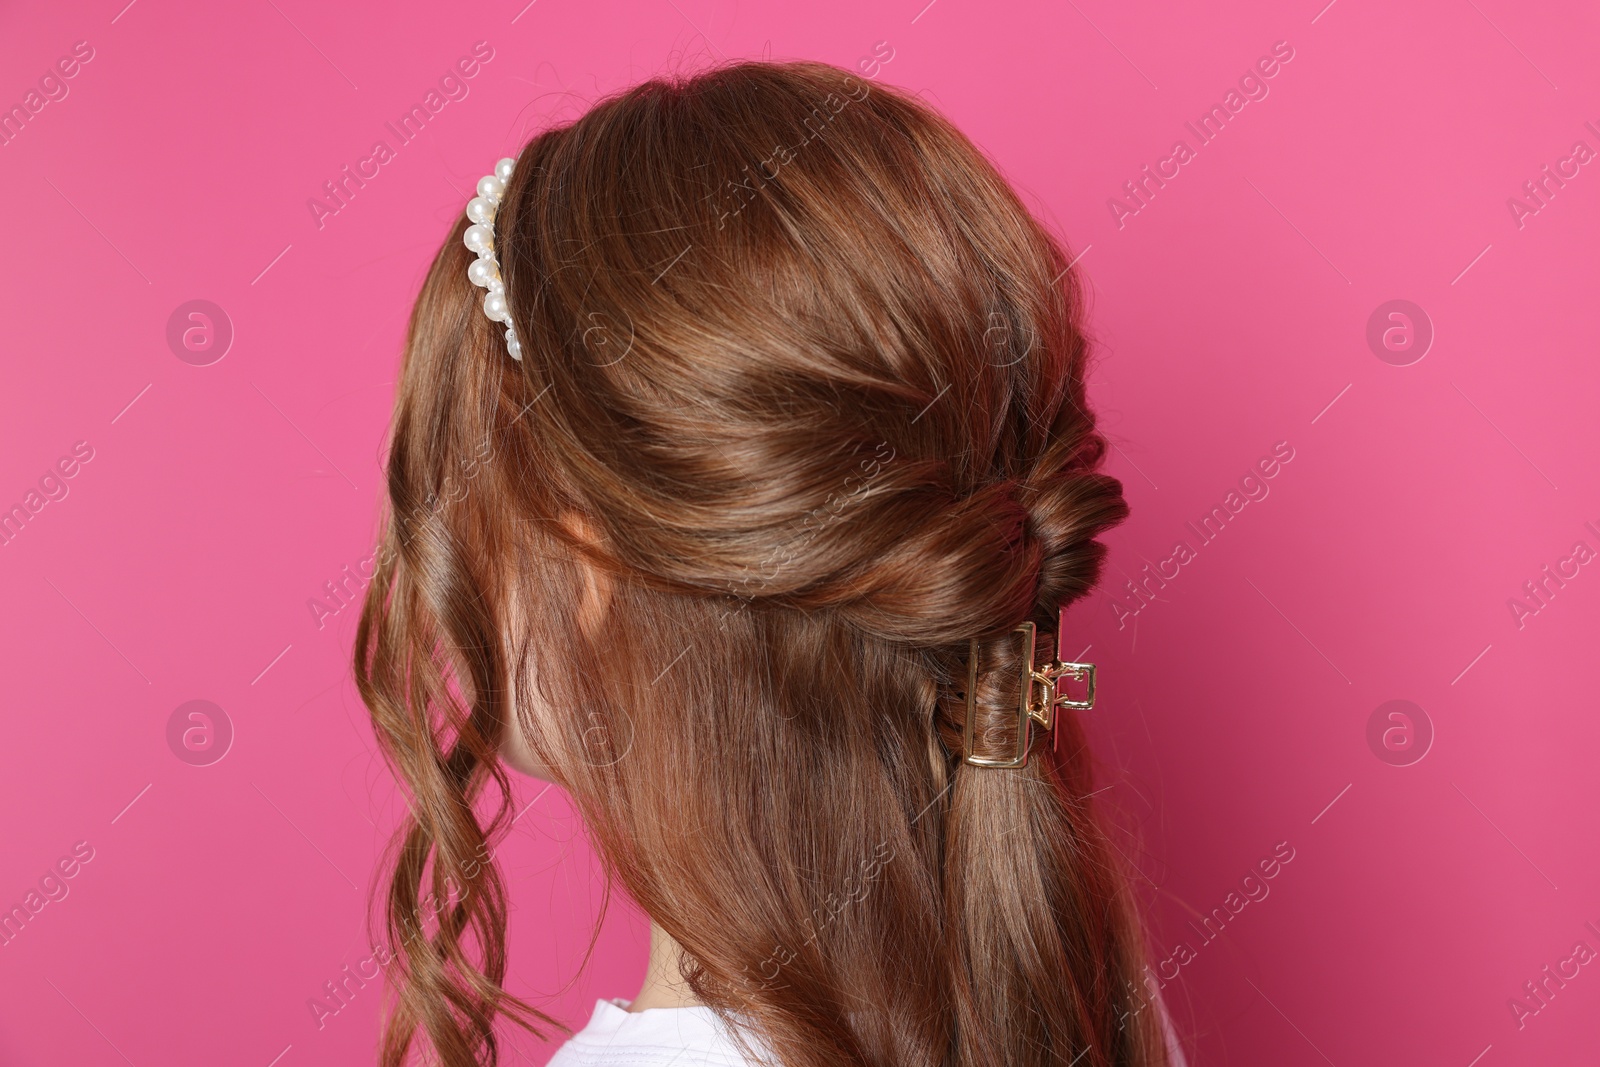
<point>800,412</point>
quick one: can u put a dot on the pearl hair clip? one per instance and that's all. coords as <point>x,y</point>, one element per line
<point>485,270</point>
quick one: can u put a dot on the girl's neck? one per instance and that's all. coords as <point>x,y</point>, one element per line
<point>663,985</point>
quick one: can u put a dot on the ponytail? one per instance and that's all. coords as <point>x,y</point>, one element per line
<point>1046,958</point>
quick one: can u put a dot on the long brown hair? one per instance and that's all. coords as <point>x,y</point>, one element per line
<point>813,378</point>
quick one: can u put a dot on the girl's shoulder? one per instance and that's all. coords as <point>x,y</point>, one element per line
<point>654,1037</point>
<point>695,1037</point>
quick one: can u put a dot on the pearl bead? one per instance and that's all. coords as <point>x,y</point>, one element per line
<point>480,210</point>
<point>503,169</point>
<point>494,306</point>
<point>490,188</point>
<point>496,283</point>
<point>480,273</point>
<point>479,238</point>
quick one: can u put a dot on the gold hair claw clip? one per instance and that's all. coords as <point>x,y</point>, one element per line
<point>1037,699</point>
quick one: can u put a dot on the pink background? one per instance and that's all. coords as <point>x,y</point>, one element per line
<point>1231,312</point>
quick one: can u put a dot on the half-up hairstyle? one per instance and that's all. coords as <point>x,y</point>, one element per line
<point>812,378</point>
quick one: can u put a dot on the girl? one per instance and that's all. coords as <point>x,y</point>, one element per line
<point>740,469</point>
